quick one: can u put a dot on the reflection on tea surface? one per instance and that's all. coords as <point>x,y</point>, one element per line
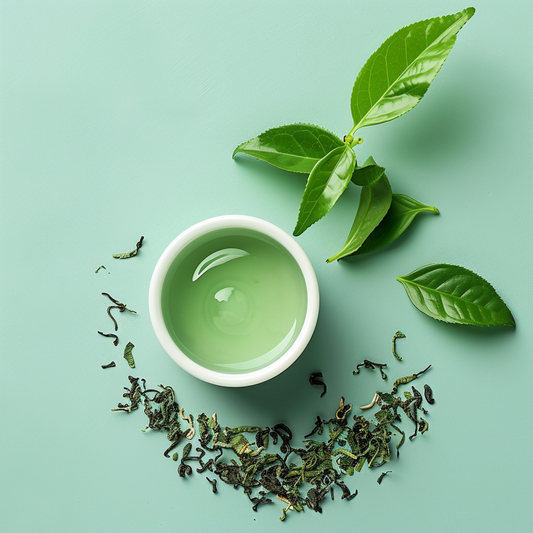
<point>234,303</point>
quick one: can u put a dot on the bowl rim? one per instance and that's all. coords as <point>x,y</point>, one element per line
<point>166,260</point>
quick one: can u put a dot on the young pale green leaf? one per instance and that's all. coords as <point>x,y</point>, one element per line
<point>402,211</point>
<point>456,295</point>
<point>327,181</point>
<point>374,202</point>
<point>296,147</point>
<point>399,72</point>
<point>369,173</point>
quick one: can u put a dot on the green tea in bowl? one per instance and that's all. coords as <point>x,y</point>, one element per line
<point>234,300</point>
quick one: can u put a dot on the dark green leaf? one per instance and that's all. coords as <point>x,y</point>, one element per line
<point>399,72</point>
<point>367,174</point>
<point>374,203</point>
<point>327,181</point>
<point>296,147</point>
<point>402,211</point>
<point>456,295</point>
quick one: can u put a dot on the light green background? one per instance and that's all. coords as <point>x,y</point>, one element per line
<point>118,118</point>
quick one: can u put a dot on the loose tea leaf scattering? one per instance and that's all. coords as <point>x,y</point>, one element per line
<point>264,462</point>
<point>121,307</point>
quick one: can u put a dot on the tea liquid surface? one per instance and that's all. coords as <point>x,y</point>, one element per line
<point>234,303</point>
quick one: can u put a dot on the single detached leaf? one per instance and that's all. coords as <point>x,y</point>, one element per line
<point>296,147</point>
<point>367,174</point>
<point>327,181</point>
<point>456,295</point>
<point>399,72</point>
<point>402,211</point>
<point>374,202</point>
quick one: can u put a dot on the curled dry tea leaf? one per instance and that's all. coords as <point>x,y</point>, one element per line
<point>372,365</point>
<point>382,475</point>
<point>456,295</point>
<point>327,181</point>
<point>374,203</point>
<point>112,335</point>
<point>397,335</point>
<point>295,147</point>
<point>428,393</point>
<point>407,379</point>
<point>133,253</point>
<point>313,380</point>
<point>128,355</point>
<point>402,212</point>
<point>399,72</point>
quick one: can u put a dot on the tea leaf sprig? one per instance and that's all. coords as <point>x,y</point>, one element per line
<point>392,82</point>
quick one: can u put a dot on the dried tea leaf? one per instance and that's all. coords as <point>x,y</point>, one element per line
<point>128,355</point>
<point>382,475</point>
<point>133,253</point>
<point>397,335</point>
<point>314,381</point>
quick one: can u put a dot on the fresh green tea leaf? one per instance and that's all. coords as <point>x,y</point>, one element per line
<point>327,181</point>
<point>296,147</point>
<point>374,202</point>
<point>402,212</point>
<point>456,295</point>
<point>367,174</point>
<point>399,72</point>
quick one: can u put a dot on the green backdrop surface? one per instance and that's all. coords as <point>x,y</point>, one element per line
<point>119,118</point>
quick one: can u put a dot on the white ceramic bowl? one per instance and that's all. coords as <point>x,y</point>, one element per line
<point>156,313</point>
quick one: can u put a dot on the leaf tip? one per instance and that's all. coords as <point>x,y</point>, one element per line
<point>299,229</point>
<point>236,151</point>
